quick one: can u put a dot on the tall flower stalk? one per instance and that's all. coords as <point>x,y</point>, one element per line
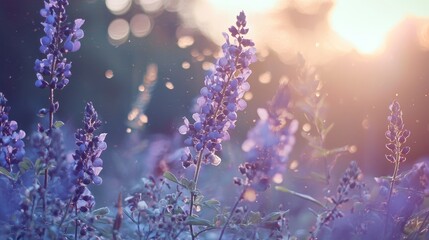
<point>11,144</point>
<point>88,163</point>
<point>397,136</point>
<point>268,146</point>
<point>53,71</point>
<point>221,98</point>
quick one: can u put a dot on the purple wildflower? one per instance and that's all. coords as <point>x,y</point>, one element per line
<point>221,97</point>
<point>88,163</point>
<point>397,135</point>
<point>270,142</point>
<point>61,37</point>
<point>11,143</point>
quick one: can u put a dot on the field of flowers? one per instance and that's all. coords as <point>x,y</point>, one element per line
<point>283,181</point>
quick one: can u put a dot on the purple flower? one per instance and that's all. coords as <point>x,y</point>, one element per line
<point>270,142</point>
<point>396,134</point>
<point>88,163</point>
<point>222,96</point>
<point>11,143</point>
<point>60,37</point>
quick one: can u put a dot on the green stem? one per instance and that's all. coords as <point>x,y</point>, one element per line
<point>392,182</point>
<point>75,230</point>
<point>232,213</point>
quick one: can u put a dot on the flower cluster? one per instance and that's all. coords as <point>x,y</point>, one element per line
<point>60,37</point>
<point>11,143</point>
<point>397,135</point>
<point>270,142</point>
<point>221,97</point>
<point>88,163</point>
<point>349,181</point>
<point>156,214</point>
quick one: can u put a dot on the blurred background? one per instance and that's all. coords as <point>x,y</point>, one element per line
<point>142,63</point>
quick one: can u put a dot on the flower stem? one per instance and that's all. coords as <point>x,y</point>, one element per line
<point>392,182</point>
<point>232,212</point>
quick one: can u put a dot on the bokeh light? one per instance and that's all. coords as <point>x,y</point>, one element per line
<point>141,25</point>
<point>118,7</point>
<point>118,31</point>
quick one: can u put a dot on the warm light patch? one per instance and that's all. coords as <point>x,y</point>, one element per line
<point>140,25</point>
<point>185,41</point>
<point>118,31</point>
<point>367,25</point>
<point>248,96</point>
<point>151,5</point>
<point>143,118</point>
<point>293,165</point>
<point>108,74</point>
<point>306,127</point>
<point>186,65</point>
<point>237,5</point>
<point>118,7</point>
<point>265,78</point>
<point>250,195</point>
<point>278,178</point>
<point>169,85</point>
<point>352,149</point>
<point>207,66</point>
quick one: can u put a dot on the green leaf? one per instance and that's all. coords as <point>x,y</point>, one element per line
<point>101,211</point>
<point>303,196</point>
<point>58,124</point>
<point>5,172</point>
<point>254,218</point>
<point>188,184</point>
<point>274,216</point>
<point>191,220</point>
<point>39,166</point>
<point>170,176</point>
<point>25,165</point>
<point>212,203</point>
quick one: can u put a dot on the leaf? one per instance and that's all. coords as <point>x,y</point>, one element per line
<point>188,184</point>
<point>5,172</point>
<point>274,216</point>
<point>58,124</point>
<point>25,165</point>
<point>170,176</point>
<point>303,196</point>
<point>101,211</point>
<point>254,218</point>
<point>191,220</point>
<point>212,203</point>
<point>325,131</point>
<point>338,150</point>
<point>39,166</point>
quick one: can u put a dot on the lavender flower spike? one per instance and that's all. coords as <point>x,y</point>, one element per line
<point>60,37</point>
<point>221,97</point>
<point>397,135</point>
<point>11,143</point>
<point>88,163</point>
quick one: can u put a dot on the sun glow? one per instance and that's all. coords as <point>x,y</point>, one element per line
<point>238,5</point>
<point>366,26</point>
